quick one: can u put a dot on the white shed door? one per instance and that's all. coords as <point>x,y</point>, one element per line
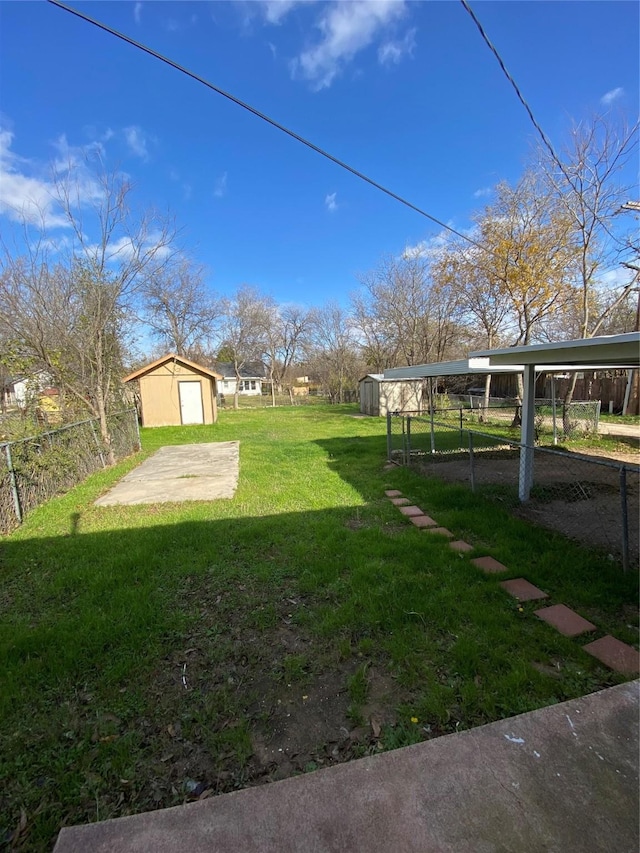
<point>191,411</point>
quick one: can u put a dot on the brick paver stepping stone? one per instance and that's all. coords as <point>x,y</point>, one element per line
<point>489,565</point>
<point>400,501</point>
<point>442,531</point>
<point>461,546</point>
<point>615,654</point>
<point>410,510</point>
<point>423,521</point>
<point>393,493</point>
<point>523,590</point>
<point>565,620</point>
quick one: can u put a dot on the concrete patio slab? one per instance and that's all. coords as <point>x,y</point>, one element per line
<point>565,620</point>
<point>489,565</point>
<point>615,654</point>
<point>523,590</point>
<point>563,779</point>
<point>184,472</point>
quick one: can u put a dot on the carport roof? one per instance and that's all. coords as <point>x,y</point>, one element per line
<point>445,368</point>
<point>171,357</point>
<point>602,353</point>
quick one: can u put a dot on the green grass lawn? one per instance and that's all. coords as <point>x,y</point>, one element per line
<point>151,655</point>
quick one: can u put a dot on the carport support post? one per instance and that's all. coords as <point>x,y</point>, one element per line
<point>527,433</point>
<point>433,435</point>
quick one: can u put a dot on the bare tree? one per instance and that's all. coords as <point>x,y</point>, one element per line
<point>286,333</point>
<point>590,189</point>
<point>482,300</point>
<point>333,352</point>
<point>68,296</point>
<point>176,305</point>
<point>403,315</point>
<point>244,320</point>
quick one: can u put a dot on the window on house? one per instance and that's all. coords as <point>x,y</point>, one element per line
<point>253,384</point>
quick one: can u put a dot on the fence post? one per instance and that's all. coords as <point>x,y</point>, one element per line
<point>135,420</point>
<point>625,518</point>
<point>553,408</point>
<point>14,484</point>
<point>407,460</point>
<point>460,425</point>
<point>433,434</point>
<point>472,473</point>
<point>389,448</point>
<point>95,438</point>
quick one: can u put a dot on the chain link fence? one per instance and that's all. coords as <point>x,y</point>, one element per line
<point>593,500</point>
<point>552,416</point>
<point>33,470</point>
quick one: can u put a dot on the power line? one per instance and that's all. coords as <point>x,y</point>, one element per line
<point>521,98</point>
<point>268,119</point>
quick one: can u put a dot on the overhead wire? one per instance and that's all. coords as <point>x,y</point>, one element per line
<point>264,117</point>
<point>521,98</point>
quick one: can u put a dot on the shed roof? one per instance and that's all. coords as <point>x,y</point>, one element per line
<point>171,357</point>
<point>382,377</point>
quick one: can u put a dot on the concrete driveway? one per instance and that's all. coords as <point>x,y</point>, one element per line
<point>185,472</point>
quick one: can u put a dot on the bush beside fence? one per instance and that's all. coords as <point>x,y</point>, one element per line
<point>33,470</point>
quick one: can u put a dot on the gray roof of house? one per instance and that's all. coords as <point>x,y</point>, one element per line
<point>250,370</point>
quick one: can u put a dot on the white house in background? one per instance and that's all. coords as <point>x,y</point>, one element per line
<point>252,375</point>
<point>18,391</point>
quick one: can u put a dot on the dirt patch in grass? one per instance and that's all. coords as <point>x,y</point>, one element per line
<point>570,495</point>
<point>244,705</point>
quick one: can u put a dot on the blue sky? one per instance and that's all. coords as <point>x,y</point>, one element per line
<point>406,92</point>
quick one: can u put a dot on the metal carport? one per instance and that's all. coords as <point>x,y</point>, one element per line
<point>601,353</point>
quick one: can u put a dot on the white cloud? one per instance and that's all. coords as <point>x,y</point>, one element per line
<point>275,10</point>
<point>392,52</point>
<point>28,192</point>
<point>616,278</point>
<point>273,49</point>
<point>611,96</point>
<point>137,13</point>
<point>346,28</point>
<point>221,186</point>
<point>433,245</point>
<point>24,198</point>
<point>137,141</point>
<point>331,203</point>
<point>483,192</point>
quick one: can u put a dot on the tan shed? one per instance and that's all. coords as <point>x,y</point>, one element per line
<point>379,395</point>
<point>175,391</point>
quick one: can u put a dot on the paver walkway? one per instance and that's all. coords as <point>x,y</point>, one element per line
<point>562,779</point>
<point>608,650</point>
<point>184,472</point>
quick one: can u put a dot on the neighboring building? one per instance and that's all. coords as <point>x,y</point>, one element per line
<point>20,390</point>
<point>379,395</point>
<point>252,376</point>
<point>175,391</point>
